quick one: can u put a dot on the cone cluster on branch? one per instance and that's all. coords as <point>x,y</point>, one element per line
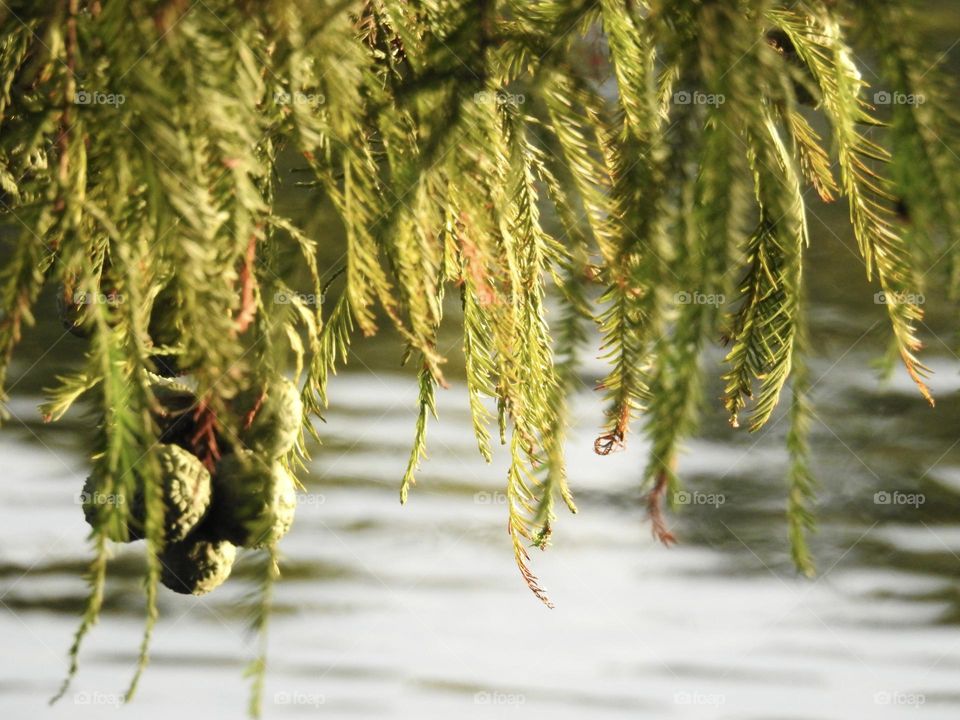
<point>248,500</point>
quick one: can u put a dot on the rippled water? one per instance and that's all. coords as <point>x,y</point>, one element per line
<point>418,611</point>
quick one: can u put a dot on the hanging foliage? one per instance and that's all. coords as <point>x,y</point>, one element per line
<point>643,165</point>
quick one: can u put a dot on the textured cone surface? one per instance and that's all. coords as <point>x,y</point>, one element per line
<point>186,496</point>
<point>197,565</point>
<point>92,500</point>
<point>186,491</point>
<point>254,502</point>
<point>277,421</point>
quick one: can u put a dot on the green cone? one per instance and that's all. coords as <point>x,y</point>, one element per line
<point>93,498</point>
<point>277,421</point>
<point>254,501</point>
<point>186,491</point>
<point>186,496</point>
<point>196,565</point>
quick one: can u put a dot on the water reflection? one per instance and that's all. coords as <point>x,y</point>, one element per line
<point>387,611</point>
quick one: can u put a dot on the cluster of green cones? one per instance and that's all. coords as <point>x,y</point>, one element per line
<point>249,499</point>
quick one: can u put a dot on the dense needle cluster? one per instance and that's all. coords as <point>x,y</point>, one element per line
<point>641,164</point>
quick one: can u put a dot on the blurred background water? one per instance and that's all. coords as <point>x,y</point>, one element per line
<point>418,611</point>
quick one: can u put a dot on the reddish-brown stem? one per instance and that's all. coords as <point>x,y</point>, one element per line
<point>204,440</point>
<point>248,306</point>
<point>655,508</point>
<point>613,441</point>
<point>250,416</point>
